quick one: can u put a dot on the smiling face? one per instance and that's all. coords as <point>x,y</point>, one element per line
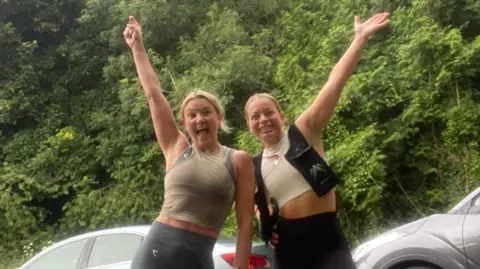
<point>264,118</point>
<point>202,120</point>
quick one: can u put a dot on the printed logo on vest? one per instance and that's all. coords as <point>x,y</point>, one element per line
<point>315,169</point>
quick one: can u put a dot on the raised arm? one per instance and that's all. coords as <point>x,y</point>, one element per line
<point>244,203</point>
<point>166,130</point>
<point>316,117</point>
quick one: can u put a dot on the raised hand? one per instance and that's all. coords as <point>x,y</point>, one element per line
<point>133,33</point>
<point>372,25</point>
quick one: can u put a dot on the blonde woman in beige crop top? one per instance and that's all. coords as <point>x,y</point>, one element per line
<point>203,177</point>
<point>300,208</point>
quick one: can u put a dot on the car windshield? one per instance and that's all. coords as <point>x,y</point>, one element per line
<point>463,201</point>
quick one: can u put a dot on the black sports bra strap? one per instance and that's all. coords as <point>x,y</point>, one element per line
<point>260,196</point>
<point>267,221</point>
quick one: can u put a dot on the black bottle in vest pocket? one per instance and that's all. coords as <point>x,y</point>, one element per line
<point>303,157</point>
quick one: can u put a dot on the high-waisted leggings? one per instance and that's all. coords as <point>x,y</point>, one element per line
<point>314,242</point>
<point>167,247</point>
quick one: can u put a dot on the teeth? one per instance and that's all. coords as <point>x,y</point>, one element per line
<point>202,130</point>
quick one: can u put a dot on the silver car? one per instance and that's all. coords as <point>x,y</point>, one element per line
<point>115,248</point>
<point>440,241</point>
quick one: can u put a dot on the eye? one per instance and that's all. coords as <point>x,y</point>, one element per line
<point>206,112</point>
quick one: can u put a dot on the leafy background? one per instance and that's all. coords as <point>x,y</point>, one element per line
<point>77,149</point>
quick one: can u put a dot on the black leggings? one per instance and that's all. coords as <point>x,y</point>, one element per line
<point>167,247</point>
<point>314,242</point>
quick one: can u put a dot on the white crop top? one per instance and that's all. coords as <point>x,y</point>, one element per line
<point>283,182</point>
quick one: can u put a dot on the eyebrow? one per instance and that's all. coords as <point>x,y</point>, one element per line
<point>261,110</point>
<point>200,108</point>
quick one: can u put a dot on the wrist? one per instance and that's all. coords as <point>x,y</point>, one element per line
<point>360,39</point>
<point>138,48</point>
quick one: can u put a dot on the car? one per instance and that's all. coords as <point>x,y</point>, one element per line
<point>439,241</point>
<point>114,249</point>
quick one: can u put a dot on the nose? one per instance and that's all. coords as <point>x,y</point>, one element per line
<point>263,118</point>
<point>199,118</point>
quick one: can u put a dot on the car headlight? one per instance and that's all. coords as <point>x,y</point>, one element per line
<point>359,252</point>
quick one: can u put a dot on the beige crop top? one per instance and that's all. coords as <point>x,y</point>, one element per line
<point>283,182</point>
<point>200,188</point>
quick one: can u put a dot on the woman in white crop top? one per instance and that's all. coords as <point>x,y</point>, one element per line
<point>308,234</point>
<point>174,242</point>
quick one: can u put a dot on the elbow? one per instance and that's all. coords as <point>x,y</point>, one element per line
<point>154,94</point>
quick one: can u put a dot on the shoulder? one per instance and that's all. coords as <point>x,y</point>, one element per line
<point>242,162</point>
<point>300,130</point>
<point>241,157</point>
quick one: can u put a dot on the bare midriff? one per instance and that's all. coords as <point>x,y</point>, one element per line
<point>191,227</point>
<point>309,204</point>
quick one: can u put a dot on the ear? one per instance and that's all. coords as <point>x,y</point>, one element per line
<point>220,116</point>
<point>282,116</point>
<point>183,123</point>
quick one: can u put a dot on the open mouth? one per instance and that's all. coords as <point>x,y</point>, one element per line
<point>266,129</point>
<point>202,132</point>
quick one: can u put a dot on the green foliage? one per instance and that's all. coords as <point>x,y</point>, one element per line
<point>77,148</point>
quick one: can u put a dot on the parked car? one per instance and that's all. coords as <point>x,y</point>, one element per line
<point>115,248</point>
<point>439,241</point>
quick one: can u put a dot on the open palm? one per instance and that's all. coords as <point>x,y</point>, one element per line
<point>372,25</point>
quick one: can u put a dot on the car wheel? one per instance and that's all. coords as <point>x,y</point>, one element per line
<point>415,265</point>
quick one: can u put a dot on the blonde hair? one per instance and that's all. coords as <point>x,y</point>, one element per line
<point>262,95</point>
<point>197,94</point>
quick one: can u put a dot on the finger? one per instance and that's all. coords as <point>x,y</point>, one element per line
<point>382,24</point>
<point>374,17</point>
<point>357,20</point>
<point>133,20</point>
<point>382,17</point>
<point>386,16</point>
<point>132,28</point>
